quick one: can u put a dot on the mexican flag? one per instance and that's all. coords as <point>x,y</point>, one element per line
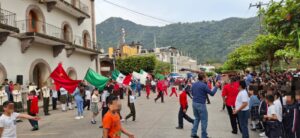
<point>120,78</point>
<point>143,76</point>
<point>96,79</point>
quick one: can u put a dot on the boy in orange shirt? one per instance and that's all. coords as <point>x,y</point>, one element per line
<point>111,122</point>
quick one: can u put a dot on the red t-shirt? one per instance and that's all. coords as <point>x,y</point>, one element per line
<point>183,100</point>
<point>230,91</point>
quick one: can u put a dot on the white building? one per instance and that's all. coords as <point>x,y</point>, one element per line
<point>35,35</point>
<point>168,54</point>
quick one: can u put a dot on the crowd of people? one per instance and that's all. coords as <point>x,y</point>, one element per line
<point>269,100</point>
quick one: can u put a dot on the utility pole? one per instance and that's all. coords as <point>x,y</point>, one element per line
<point>259,7</point>
<point>154,41</point>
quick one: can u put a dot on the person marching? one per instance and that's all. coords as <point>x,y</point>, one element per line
<point>33,109</point>
<point>54,94</point>
<point>174,91</point>
<point>160,89</point>
<point>78,95</point>
<point>3,98</point>
<point>16,93</point>
<point>139,87</point>
<point>254,106</point>
<point>229,94</point>
<point>131,101</point>
<point>104,96</point>
<point>94,105</point>
<point>148,87</point>
<point>183,109</point>
<point>46,99</point>
<point>87,102</point>
<point>63,99</point>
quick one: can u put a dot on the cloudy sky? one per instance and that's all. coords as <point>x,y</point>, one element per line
<point>175,10</point>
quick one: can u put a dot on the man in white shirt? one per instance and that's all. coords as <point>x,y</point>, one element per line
<point>54,97</point>
<point>46,98</point>
<point>8,128</point>
<point>87,99</point>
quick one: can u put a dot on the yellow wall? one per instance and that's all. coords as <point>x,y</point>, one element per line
<point>129,51</point>
<point>110,52</point>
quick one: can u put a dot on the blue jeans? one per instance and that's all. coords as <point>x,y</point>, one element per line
<point>79,104</point>
<point>243,120</point>
<point>200,113</point>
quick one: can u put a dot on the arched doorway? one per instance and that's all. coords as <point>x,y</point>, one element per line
<point>72,73</point>
<point>39,73</point>
<point>67,32</point>
<point>35,19</point>
<point>86,40</point>
<point>3,74</point>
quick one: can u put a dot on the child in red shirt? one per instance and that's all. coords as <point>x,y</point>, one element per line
<point>183,109</point>
<point>33,109</point>
<point>174,91</point>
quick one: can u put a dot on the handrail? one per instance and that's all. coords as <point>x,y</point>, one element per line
<point>7,18</point>
<point>39,27</point>
<point>79,40</point>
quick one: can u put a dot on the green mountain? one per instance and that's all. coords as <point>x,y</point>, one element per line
<point>209,41</point>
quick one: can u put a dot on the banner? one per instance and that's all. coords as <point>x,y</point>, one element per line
<point>96,79</point>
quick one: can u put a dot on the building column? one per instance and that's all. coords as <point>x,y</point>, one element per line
<point>94,33</point>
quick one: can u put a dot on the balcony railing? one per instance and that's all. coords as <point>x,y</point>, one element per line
<point>39,27</point>
<point>7,18</point>
<point>78,40</point>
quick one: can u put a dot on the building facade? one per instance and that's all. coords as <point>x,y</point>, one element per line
<point>36,35</point>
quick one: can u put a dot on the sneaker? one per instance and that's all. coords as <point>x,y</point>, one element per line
<point>93,122</point>
<point>81,117</point>
<point>122,120</point>
<point>77,117</point>
<point>234,132</point>
<point>179,127</point>
<point>34,129</point>
<point>100,126</point>
<point>195,136</point>
<point>262,134</point>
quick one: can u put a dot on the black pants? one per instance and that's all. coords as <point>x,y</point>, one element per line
<point>207,98</point>
<point>54,103</point>
<point>160,95</point>
<point>233,119</point>
<point>182,115</point>
<point>104,111</point>
<point>132,112</point>
<point>18,106</point>
<point>46,105</point>
<point>87,104</point>
<point>33,123</point>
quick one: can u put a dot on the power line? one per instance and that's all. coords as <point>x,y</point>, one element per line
<point>149,16</point>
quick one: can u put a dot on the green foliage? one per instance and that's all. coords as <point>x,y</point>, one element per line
<point>147,63</point>
<point>162,67</point>
<point>209,41</point>
<point>280,41</point>
<point>209,74</point>
<point>136,63</point>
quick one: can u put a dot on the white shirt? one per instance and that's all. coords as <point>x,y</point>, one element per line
<point>9,125</point>
<point>241,98</point>
<point>46,92</point>
<point>104,95</point>
<point>63,91</point>
<point>17,96</point>
<point>278,110</point>
<point>271,111</point>
<point>153,83</point>
<point>87,94</point>
<point>131,99</point>
<point>95,98</point>
<point>54,94</point>
<point>3,97</point>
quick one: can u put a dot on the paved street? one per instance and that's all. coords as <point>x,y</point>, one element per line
<point>154,120</point>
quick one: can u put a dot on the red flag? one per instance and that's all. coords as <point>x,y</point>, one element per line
<point>127,79</point>
<point>61,79</point>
